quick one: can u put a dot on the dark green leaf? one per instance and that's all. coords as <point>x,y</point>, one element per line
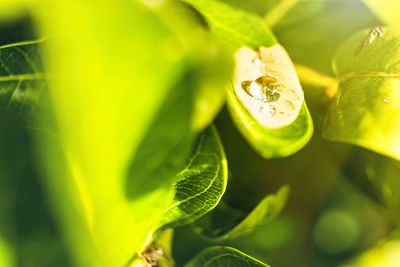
<point>366,110</point>
<point>222,257</point>
<point>201,184</point>
<point>225,223</point>
<point>21,78</point>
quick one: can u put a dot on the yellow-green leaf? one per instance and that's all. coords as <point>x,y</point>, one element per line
<point>366,109</point>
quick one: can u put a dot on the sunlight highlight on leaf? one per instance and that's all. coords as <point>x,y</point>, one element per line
<point>366,109</point>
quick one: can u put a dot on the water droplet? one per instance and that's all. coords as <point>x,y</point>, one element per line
<point>372,35</point>
<point>268,110</point>
<point>288,106</point>
<point>264,88</point>
<point>386,100</point>
<point>257,61</point>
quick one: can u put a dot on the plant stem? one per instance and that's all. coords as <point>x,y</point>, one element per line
<point>314,78</point>
<point>278,11</point>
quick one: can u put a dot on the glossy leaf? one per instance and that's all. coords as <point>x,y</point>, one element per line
<point>366,109</point>
<point>223,256</point>
<point>226,223</point>
<point>234,26</point>
<point>240,28</point>
<point>271,143</point>
<point>201,184</point>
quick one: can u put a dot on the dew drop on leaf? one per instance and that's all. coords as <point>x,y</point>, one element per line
<point>372,35</point>
<point>268,110</point>
<point>264,88</point>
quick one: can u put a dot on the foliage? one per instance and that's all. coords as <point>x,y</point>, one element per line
<point>116,147</point>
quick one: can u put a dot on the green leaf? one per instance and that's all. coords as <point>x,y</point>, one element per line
<point>240,28</point>
<point>223,256</point>
<point>234,26</point>
<point>271,143</point>
<point>366,109</point>
<point>226,223</point>
<point>201,184</point>
<point>21,79</point>
<point>110,80</point>
<point>167,145</point>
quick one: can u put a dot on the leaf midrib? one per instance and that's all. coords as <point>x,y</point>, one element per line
<point>18,77</point>
<point>351,75</point>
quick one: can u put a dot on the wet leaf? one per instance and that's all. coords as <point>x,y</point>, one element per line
<point>223,256</point>
<point>201,184</point>
<point>366,109</point>
<point>225,222</point>
<point>240,28</point>
<point>271,143</point>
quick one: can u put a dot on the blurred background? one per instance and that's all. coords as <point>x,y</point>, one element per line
<point>343,198</point>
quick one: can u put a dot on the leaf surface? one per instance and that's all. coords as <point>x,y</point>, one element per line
<point>234,26</point>
<point>366,109</point>
<point>240,28</point>
<point>112,81</point>
<point>22,78</point>
<point>201,184</point>
<point>226,223</point>
<point>223,256</point>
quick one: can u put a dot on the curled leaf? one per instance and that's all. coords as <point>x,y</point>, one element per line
<point>266,84</point>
